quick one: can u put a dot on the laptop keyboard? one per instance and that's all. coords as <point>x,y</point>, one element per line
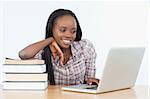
<point>84,86</point>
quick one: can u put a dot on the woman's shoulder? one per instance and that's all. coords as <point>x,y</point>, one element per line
<point>85,46</point>
<point>83,43</point>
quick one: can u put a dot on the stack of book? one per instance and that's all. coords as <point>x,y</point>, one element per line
<point>25,74</point>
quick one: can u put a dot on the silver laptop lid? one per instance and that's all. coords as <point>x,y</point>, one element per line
<point>121,68</point>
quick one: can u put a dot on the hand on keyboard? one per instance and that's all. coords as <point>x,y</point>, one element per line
<point>92,81</point>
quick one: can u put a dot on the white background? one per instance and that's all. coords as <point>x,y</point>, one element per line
<point>111,23</point>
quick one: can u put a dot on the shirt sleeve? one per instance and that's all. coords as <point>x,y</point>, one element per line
<point>90,59</point>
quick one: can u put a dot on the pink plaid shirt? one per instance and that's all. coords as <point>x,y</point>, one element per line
<point>79,67</point>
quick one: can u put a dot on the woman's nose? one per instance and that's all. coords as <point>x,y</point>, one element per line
<point>69,34</point>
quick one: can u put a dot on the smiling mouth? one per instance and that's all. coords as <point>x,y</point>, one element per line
<point>67,42</point>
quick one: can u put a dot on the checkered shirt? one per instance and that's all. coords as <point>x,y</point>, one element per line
<point>80,65</point>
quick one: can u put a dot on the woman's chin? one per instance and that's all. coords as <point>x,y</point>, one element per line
<point>65,46</point>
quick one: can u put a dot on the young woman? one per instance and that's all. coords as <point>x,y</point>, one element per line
<point>73,60</point>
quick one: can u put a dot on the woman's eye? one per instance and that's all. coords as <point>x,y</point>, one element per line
<point>74,31</point>
<point>62,30</point>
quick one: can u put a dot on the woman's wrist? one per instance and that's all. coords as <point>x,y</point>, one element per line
<point>50,40</point>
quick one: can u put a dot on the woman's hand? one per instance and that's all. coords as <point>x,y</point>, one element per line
<point>92,81</point>
<point>55,49</point>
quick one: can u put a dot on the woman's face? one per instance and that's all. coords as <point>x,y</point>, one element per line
<point>64,30</point>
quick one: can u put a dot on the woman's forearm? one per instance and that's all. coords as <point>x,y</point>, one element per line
<point>31,50</point>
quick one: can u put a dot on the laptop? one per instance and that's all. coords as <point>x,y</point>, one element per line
<point>121,67</point>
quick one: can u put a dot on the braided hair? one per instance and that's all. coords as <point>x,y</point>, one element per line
<point>46,55</point>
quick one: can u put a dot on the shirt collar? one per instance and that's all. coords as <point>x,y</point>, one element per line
<point>74,52</point>
<point>73,49</point>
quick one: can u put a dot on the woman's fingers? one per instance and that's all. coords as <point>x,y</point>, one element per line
<point>54,51</point>
<point>60,53</point>
<point>91,81</point>
<point>54,54</point>
<point>61,56</point>
<point>57,51</point>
